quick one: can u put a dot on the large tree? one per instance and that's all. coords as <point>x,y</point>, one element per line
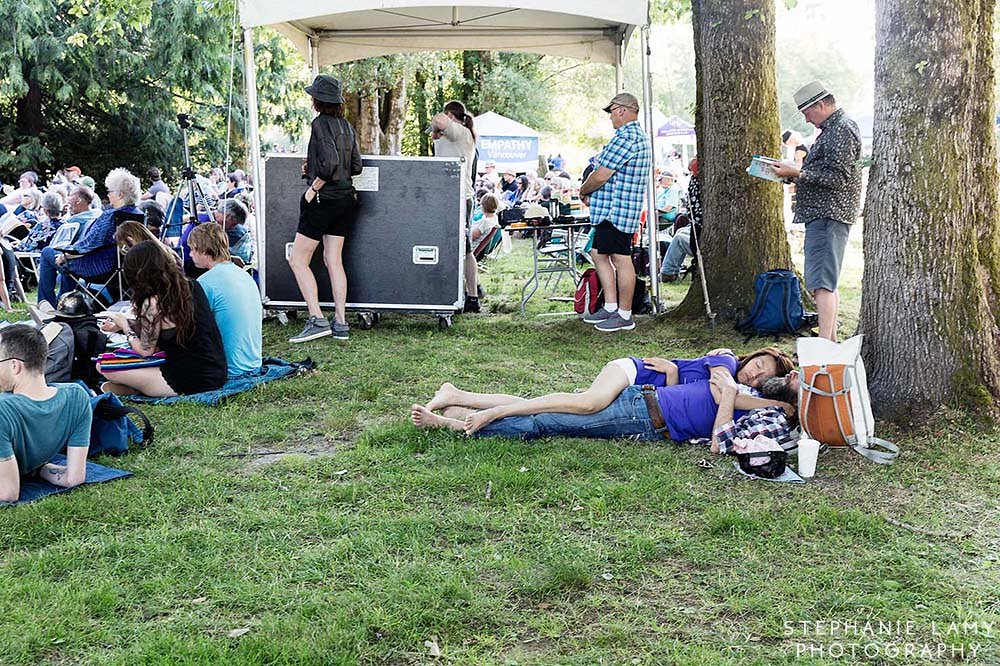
<point>736,116</point>
<point>929,307</point>
<point>99,83</point>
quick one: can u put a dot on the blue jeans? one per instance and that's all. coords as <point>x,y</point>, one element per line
<point>47,274</point>
<point>627,416</point>
<point>679,250</point>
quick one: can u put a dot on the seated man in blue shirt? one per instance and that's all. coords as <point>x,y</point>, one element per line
<point>232,295</point>
<point>232,215</point>
<point>37,420</point>
<point>93,254</point>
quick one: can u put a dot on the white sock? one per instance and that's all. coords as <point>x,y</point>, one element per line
<point>611,307</point>
<point>625,314</point>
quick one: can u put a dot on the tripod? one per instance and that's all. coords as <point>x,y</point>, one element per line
<point>190,190</point>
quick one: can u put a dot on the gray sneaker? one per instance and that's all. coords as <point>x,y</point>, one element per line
<point>599,316</point>
<point>615,323</point>
<point>316,327</point>
<point>340,331</point>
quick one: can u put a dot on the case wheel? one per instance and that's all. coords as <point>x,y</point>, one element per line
<point>366,320</point>
<point>444,322</point>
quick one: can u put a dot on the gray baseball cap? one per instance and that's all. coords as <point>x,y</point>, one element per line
<point>628,100</point>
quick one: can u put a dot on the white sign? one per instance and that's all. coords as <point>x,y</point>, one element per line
<point>367,180</point>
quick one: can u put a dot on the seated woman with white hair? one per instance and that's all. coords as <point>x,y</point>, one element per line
<point>93,255</point>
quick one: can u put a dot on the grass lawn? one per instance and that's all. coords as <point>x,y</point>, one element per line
<point>310,523</point>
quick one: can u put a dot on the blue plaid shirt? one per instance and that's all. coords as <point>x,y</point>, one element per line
<point>97,245</point>
<point>621,199</point>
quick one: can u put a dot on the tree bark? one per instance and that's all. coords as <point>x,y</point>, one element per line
<point>420,103</point>
<point>736,118</point>
<point>929,298</point>
<point>368,127</point>
<point>396,117</point>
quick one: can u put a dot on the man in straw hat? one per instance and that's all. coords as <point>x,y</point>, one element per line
<point>828,197</point>
<point>617,190</point>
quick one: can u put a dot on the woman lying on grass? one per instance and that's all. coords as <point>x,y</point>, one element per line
<point>749,371</point>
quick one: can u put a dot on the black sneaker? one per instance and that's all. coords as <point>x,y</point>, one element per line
<point>472,304</point>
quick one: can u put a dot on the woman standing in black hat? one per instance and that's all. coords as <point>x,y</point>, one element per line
<point>327,209</point>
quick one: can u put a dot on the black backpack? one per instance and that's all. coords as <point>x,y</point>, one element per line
<point>89,341</point>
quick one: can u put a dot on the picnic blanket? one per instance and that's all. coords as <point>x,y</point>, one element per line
<point>34,488</point>
<point>272,369</point>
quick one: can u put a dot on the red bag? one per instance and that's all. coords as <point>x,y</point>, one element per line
<point>589,295</point>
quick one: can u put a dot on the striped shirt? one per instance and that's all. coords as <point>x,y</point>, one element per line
<point>621,199</point>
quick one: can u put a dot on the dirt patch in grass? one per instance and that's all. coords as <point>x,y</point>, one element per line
<point>315,445</point>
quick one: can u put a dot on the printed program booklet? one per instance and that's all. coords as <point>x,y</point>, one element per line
<point>760,167</point>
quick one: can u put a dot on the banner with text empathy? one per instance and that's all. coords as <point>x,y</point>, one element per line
<point>519,153</point>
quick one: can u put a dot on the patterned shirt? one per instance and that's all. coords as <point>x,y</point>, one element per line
<point>621,199</point>
<point>829,185</point>
<point>768,421</point>
<point>694,200</point>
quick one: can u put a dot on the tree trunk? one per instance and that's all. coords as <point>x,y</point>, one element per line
<point>396,117</point>
<point>736,117</point>
<point>420,103</point>
<point>929,299</point>
<point>368,127</point>
<point>30,120</point>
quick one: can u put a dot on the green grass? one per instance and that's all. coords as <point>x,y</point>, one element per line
<point>357,538</point>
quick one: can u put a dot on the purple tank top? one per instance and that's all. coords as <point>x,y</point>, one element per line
<point>689,410</point>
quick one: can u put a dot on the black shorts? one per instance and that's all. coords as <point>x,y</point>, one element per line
<point>327,217</point>
<point>609,240</point>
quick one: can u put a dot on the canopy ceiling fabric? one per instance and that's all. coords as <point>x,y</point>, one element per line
<point>347,30</point>
<point>493,124</point>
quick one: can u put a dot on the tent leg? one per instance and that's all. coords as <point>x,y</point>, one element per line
<point>314,55</point>
<point>651,218</point>
<point>619,68</point>
<point>256,168</point>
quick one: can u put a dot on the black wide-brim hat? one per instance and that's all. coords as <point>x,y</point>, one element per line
<point>326,89</point>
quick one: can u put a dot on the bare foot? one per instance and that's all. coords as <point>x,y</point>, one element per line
<point>443,397</point>
<point>425,418</point>
<point>477,420</point>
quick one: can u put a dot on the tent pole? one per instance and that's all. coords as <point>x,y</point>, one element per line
<point>250,67</point>
<point>651,218</point>
<point>314,54</point>
<point>619,57</point>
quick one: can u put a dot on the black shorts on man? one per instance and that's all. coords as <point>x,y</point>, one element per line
<point>608,239</point>
<point>327,217</point>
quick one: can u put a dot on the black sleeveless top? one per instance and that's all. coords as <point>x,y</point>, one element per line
<point>200,364</point>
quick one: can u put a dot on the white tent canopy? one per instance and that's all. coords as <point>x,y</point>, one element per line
<point>345,30</point>
<point>328,32</point>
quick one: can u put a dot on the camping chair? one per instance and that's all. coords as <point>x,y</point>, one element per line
<point>103,291</point>
<point>64,235</point>
<point>489,246</point>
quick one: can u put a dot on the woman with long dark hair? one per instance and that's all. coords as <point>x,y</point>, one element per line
<point>172,315</point>
<point>328,208</point>
<point>454,137</point>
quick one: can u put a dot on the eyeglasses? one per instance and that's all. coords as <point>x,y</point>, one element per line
<point>11,358</point>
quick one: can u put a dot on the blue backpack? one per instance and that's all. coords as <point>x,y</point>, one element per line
<point>112,431</point>
<point>777,306</point>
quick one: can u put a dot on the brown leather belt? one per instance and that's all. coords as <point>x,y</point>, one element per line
<point>653,406</point>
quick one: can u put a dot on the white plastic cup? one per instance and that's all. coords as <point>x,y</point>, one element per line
<point>808,452</point>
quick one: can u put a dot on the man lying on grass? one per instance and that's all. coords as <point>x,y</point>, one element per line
<point>715,408</point>
<point>37,420</point>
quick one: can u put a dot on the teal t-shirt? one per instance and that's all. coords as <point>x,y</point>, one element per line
<point>35,430</point>
<point>235,302</point>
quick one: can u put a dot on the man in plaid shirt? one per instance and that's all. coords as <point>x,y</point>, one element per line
<point>773,422</point>
<point>616,190</point>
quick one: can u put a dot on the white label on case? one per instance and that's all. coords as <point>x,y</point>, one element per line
<point>425,255</point>
<point>367,180</point>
